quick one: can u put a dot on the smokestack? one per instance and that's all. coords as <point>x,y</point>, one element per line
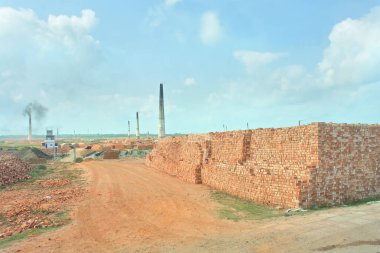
<point>39,112</point>
<point>161,117</point>
<point>137,126</point>
<point>30,127</point>
<point>129,128</point>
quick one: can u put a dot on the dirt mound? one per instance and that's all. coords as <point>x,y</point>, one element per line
<point>13,169</point>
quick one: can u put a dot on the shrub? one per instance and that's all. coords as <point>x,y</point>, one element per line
<point>79,160</point>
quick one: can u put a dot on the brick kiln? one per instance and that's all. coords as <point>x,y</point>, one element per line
<point>317,164</point>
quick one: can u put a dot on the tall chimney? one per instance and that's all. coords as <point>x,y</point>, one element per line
<point>129,128</point>
<point>30,127</point>
<point>161,117</point>
<point>138,125</point>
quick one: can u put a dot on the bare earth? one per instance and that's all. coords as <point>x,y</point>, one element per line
<point>131,208</point>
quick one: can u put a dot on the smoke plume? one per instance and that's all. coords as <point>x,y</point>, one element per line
<point>39,111</point>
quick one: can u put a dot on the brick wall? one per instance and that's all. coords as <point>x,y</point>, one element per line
<point>316,164</point>
<point>111,154</point>
<point>349,164</point>
<point>179,156</point>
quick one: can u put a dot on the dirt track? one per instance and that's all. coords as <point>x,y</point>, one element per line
<point>131,208</point>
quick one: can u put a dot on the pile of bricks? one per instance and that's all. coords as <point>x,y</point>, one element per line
<point>178,158</point>
<point>111,154</point>
<point>316,164</point>
<point>13,169</point>
<point>348,164</point>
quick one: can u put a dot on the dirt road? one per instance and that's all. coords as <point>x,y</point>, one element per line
<point>131,208</point>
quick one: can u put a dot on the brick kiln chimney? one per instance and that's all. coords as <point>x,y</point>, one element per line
<point>129,128</point>
<point>161,118</point>
<point>30,127</point>
<point>138,125</point>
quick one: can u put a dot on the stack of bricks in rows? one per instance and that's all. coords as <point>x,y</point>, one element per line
<point>316,164</point>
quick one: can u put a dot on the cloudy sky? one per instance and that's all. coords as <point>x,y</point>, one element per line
<point>226,62</point>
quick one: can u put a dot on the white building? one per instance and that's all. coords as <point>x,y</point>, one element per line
<point>50,140</point>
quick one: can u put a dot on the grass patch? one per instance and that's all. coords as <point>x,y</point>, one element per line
<point>24,234</point>
<point>74,175</point>
<point>362,201</point>
<point>3,219</point>
<point>62,215</point>
<point>52,170</point>
<point>41,211</point>
<point>38,171</point>
<point>236,209</point>
<point>14,146</point>
<point>79,160</point>
<point>347,204</point>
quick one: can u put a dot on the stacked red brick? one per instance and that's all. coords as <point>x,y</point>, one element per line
<point>179,156</point>
<point>13,169</point>
<point>268,166</point>
<point>317,164</point>
<point>349,164</point>
<point>111,154</point>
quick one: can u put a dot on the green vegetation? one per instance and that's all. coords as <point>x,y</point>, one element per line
<point>38,172</point>
<point>62,215</point>
<point>135,153</point>
<point>347,204</point>
<point>236,209</point>
<point>42,172</point>
<point>3,219</point>
<point>79,160</point>
<point>41,211</point>
<point>362,201</point>
<point>17,145</point>
<point>25,234</point>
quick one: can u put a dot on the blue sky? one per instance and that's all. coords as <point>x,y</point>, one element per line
<point>268,63</point>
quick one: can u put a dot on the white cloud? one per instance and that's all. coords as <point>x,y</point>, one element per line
<point>17,98</point>
<point>155,16</point>
<point>171,3</point>
<point>63,23</point>
<point>158,13</point>
<point>52,54</point>
<point>190,81</point>
<point>353,56</point>
<point>26,24</point>
<point>211,29</point>
<point>253,59</point>
<point>349,64</point>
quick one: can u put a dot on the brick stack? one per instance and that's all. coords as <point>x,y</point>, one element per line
<point>316,164</point>
<point>267,166</point>
<point>111,154</point>
<point>178,156</point>
<point>349,164</point>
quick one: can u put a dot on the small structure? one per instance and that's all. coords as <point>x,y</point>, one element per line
<point>49,142</point>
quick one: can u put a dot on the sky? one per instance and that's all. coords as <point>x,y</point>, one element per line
<point>94,63</point>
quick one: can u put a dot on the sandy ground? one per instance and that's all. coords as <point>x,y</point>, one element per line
<point>131,208</point>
